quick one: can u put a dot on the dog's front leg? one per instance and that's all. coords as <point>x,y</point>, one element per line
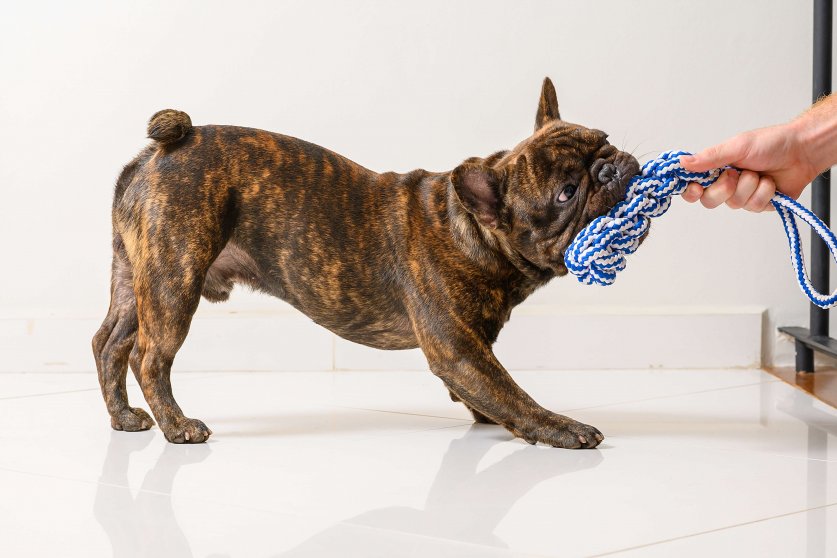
<point>474,375</point>
<point>478,416</point>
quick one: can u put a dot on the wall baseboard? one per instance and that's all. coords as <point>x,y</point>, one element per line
<point>537,337</point>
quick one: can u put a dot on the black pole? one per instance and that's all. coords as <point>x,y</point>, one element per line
<point>821,188</point>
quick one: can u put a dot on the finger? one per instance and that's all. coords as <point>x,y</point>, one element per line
<point>716,156</point>
<point>719,192</point>
<point>760,200</point>
<point>693,192</point>
<point>748,181</point>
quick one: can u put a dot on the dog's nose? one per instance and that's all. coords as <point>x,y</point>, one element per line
<point>627,167</point>
<point>608,173</point>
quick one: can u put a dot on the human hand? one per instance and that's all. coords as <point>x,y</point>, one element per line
<point>771,159</point>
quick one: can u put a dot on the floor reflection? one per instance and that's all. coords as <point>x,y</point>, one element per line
<point>463,504</point>
<point>143,525</point>
<point>820,428</point>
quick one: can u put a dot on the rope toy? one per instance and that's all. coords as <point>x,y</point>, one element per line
<point>598,252</point>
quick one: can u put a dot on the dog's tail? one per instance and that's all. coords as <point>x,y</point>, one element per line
<point>169,126</point>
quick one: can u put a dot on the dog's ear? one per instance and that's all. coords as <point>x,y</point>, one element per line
<point>548,105</point>
<point>480,189</point>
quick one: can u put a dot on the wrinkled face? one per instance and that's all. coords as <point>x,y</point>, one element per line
<point>541,194</point>
<point>563,178</point>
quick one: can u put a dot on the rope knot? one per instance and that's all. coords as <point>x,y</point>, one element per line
<point>598,252</point>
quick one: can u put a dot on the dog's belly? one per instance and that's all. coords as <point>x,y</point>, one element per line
<point>362,315</point>
<point>387,335</point>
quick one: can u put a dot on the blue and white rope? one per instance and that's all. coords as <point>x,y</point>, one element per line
<point>598,252</point>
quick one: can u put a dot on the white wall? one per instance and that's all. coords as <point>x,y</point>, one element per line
<point>395,86</point>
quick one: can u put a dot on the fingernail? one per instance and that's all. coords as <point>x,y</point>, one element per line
<point>687,159</point>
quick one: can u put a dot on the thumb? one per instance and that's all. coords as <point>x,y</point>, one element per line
<point>714,157</point>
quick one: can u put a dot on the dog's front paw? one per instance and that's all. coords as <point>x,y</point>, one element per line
<point>185,430</point>
<point>558,431</point>
<point>132,419</point>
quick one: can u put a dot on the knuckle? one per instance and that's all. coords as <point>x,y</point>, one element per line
<point>740,142</point>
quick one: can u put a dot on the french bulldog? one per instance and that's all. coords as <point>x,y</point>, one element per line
<point>435,260</point>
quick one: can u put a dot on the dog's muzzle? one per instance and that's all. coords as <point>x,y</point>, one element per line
<point>614,172</point>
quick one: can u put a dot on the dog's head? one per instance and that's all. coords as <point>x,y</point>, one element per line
<point>537,197</point>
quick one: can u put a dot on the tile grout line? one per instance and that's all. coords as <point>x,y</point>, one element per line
<point>708,531</point>
<point>11,397</point>
<point>397,412</point>
<point>80,390</point>
<point>736,451</point>
<point>699,392</point>
<point>563,410</point>
<point>467,421</point>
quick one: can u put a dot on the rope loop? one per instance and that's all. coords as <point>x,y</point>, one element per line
<point>599,251</point>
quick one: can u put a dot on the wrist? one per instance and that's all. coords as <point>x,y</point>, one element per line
<point>816,135</point>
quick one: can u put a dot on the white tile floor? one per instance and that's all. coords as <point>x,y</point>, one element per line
<point>383,464</point>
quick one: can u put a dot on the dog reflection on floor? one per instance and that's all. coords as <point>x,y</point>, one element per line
<point>463,504</point>
<point>143,525</point>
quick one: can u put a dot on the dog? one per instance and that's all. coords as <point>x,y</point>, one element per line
<point>435,260</point>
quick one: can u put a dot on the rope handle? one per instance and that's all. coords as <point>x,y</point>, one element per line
<point>788,208</point>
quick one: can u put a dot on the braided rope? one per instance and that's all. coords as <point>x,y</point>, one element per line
<point>598,252</point>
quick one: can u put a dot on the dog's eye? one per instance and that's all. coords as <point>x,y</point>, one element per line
<point>567,192</point>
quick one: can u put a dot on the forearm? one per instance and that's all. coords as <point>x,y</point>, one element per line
<point>816,129</point>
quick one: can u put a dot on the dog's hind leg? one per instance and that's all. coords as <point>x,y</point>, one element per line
<point>112,344</point>
<point>169,264</point>
<point>166,302</point>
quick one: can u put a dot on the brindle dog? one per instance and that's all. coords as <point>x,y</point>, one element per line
<point>435,260</point>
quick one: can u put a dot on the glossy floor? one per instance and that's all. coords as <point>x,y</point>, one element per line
<point>383,464</point>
